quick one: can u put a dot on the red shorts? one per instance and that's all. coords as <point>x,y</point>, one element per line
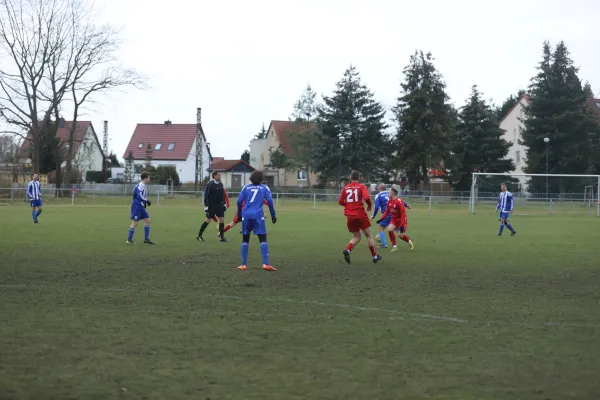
<point>401,225</point>
<point>357,224</point>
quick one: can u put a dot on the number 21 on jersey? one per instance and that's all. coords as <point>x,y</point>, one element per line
<point>352,196</point>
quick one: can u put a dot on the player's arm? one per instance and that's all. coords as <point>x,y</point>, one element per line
<point>406,205</point>
<point>387,211</point>
<point>499,201</point>
<point>240,201</point>
<point>226,198</point>
<point>512,203</point>
<point>30,191</point>
<point>342,199</point>
<point>377,206</point>
<point>367,198</point>
<point>269,200</point>
<point>206,193</point>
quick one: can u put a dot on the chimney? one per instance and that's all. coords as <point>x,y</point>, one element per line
<point>168,122</point>
<point>198,115</point>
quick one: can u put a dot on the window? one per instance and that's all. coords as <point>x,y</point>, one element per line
<point>518,160</point>
<point>301,175</point>
<point>157,147</point>
<point>514,135</point>
<point>598,104</point>
<point>171,147</point>
<point>140,145</point>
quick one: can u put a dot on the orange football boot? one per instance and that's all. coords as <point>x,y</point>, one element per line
<point>269,268</point>
<point>242,267</point>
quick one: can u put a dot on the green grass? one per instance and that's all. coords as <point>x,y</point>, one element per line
<point>467,315</point>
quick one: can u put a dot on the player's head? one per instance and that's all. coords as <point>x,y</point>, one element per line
<point>256,177</point>
<point>503,186</point>
<point>393,193</point>
<point>216,175</point>
<point>145,177</point>
<point>354,176</point>
<point>35,177</point>
<point>381,187</point>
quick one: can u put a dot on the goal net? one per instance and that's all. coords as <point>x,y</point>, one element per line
<point>537,194</point>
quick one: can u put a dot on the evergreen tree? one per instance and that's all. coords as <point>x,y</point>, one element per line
<point>245,156</point>
<point>303,138</point>
<point>352,117</point>
<point>262,134</point>
<point>558,111</point>
<point>587,90</point>
<point>424,118</point>
<point>129,168</point>
<point>508,104</point>
<point>477,144</point>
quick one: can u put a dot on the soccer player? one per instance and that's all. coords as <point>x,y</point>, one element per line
<point>34,191</point>
<point>138,209</point>
<point>505,205</point>
<point>352,198</point>
<point>250,212</point>
<point>399,222</point>
<point>381,202</point>
<point>236,220</point>
<point>214,205</point>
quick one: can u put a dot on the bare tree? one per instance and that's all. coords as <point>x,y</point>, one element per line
<point>56,58</point>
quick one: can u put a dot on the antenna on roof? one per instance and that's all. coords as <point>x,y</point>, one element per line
<point>105,139</point>
<point>168,122</point>
<point>199,148</point>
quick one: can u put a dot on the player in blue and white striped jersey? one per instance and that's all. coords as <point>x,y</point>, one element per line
<point>34,191</point>
<point>138,209</point>
<point>381,201</point>
<point>506,206</point>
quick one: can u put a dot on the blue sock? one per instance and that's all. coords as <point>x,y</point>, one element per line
<point>38,213</point>
<point>383,238</point>
<point>244,253</point>
<point>146,232</point>
<point>510,228</point>
<point>33,215</point>
<point>131,232</point>
<point>501,229</point>
<point>264,250</point>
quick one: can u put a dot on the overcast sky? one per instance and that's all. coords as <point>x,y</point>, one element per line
<point>246,62</point>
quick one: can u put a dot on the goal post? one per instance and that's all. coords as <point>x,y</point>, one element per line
<point>538,194</point>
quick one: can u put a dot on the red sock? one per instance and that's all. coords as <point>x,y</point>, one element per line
<point>373,252</point>
<point>392,238</point>
<point>227,227</point>
<point>215,219</point>
<point>405,238</point>
<point>350,246</point>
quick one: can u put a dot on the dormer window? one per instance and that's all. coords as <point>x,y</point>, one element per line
<point>171,147</point>
<point>157,147</point>
<point>141,145</point>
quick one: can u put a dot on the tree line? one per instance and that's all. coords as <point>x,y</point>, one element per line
<point>57,60</point>
<point>349,128</point>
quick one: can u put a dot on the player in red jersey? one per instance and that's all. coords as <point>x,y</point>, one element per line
<point>399,221</point>
<point>236,220</point>
<point>353,197</point>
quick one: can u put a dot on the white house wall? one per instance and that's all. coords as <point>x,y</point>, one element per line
<point>513,128</point>
<point>89,154</point>
<point>257,152</point>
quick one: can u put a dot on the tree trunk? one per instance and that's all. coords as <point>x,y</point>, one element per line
<point>58,173</point>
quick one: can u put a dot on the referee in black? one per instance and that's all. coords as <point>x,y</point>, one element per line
<point>214,205</point>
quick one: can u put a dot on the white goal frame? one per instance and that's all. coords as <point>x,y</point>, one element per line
<point>472,197</point>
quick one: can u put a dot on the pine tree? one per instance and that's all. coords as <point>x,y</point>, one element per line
<point>262,134</point>
<point>424,119</point>
<point>352,117</point>
<point>558,111</point>
<point>478,145</point>
<point>508,104</point>
<point>303,139</point>
<point>245,156</point>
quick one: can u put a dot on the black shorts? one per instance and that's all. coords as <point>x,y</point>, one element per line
<point>218,212</point>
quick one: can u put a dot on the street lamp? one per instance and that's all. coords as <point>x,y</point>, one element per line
<point>546,140</point>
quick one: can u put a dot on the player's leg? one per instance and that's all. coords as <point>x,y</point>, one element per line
<point>220,217</point>
<point>246,229</point>
<point>509,226</point>
<point>371,242</point>
<point>209,217</point>
<point>39,209</point>
<point>260,229</point>
<point>229,226</point>
<point>391,233</point>
<point>381,234</point>
<point>33,211</point>
<point>402,235</point>
<point>135,219</point>
<point>353,242</point>
<point>146,218</point>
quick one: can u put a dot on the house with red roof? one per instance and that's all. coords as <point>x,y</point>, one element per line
<point>87,150</point>
<point>278,137</point>
<point>169,144</point>
<point>234,173</point>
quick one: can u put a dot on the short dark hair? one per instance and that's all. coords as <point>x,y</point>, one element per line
<point>145,175</point>
<point>354,175</point>
<point>256,177</point>
<point>503,184</point>
<point>394,191</point>
<point>215,173</point>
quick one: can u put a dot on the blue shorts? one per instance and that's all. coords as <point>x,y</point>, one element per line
<point>505,215</point>
<point>36,203</point>
<point>138,213</point>
<point>385,222</point>
<point>258,226</point>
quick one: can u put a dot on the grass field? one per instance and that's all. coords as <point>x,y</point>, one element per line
<point>467,315</point>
